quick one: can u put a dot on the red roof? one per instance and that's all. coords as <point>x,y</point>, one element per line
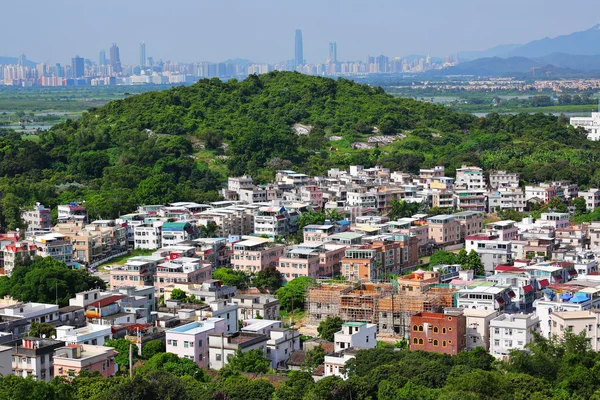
<point>527,288</point>
<point>557,278</point>
<point>572,272</point>
<point>106,301</point>
<point>511,294</point>
<point>478,237</point>
<point>135,327</point>
<point>563,264</point>
<point>508,268</point>
<point>522,261</point>
<point>544,283</point>
<point>500,300</point>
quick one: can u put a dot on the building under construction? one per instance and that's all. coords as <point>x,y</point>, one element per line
<point>377,303</point>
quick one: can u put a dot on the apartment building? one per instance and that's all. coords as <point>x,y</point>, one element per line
<point>484,296</point>
<point>503,179</point>
<point>223,347</point>
<point>470,177</point>
<point>540,194</point>
<point>90,334</point>
<point>491,252</point>
<point>594,235</point>
<point>587,321</point>
<point>182,270</point>
<point>311,194</point>
<point>356,334</point>
<point>444,229</point>
<point>223,309</point>
<point>438,332</point>
<point>234,184</point>
<point>137,271</point>
<point>34,357</point>
<point>253,255</point>
<point>148,236</point>
<point>507,198</point>
<point>511,331</point>
<point>478,327</point>
<point>281,344</point>
<point>13,254</point>
<point>191,340</point>
<point>471,222</point>
<point>73,212</point>
<point>504,230</point>
<point>173,233</point>
<point>53,245</point>
<point>70,360</point>
<point>318,233</point>
<point>311,259</point>
<point>591,197</point>
<point>252,306</point>
<point>38,218</point>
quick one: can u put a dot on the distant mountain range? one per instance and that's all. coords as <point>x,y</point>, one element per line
<point>15,60</point>
<point>566,55</point>
<point>581,43</point>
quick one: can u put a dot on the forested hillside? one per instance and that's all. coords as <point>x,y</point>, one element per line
<point>182,143</point>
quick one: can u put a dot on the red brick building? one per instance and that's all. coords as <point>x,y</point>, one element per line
<point>438,332</point>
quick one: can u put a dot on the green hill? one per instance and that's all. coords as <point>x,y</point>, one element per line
<point>182,143</point>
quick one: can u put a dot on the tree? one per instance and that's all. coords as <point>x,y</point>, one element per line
<point>122,347</point>
<point>314,358</point>
<point>173,364</point>
<point>293,294</point>
<point>580,206</point>
<point>557,205</point>
<point>442,257</point>
<point>230,277</point>
<point>401,209</point>
<point>474,263</point>
<point>47,280</point>
<point>329,327</point>
<point>152,348</point>
<point>269,278</point>
<point>41,330</point>
<point>209,230</point>
<point>294,388</point>
<point>178,294</point>
<point>249,361</point>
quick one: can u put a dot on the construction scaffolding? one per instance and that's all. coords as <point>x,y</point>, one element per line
<point>377,303</point>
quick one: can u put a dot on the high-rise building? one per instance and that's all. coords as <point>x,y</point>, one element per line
<point>77,67</point>
<point>332,52</point>
<point>115,59</point>
<point>298,54</point>
<point>22,59</point>
<point>142,55</point>
<point>102,60</point>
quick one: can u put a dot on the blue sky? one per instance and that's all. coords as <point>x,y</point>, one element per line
<point>263,30</point>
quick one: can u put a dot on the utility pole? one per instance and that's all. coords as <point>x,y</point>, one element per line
<point>131,360</point>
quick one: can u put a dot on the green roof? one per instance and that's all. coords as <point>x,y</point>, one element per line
<point>354,324</point>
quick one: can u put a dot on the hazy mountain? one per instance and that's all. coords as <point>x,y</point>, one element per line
<point>15,60</point>
<point>492,66</point>
<point>497,51</point>
<point>581,43</point>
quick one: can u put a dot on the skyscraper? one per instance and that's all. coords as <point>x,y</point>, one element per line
<point>22,59</point>
<point>102,60</point>
<point>142,55</point>
<point>77,67</point>
<point>298,54</point>
<point>332,52</point>
<point>115,60</point>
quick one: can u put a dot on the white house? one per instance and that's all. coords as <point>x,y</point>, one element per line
<point>357,335</point>
<point>511,331</point>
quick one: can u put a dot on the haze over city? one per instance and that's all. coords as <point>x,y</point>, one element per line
<point>190,30</point>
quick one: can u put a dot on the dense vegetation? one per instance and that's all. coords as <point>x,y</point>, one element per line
<point>46,280</point>
<point>562,368</point>
<point>182,143</point>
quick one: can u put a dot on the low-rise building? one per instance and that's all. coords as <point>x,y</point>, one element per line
<point>252,306</point>
<point>34,357</point>
<point>478,327</point>
<point>444,229</point>
<point>500,179</point>
<point>508,198</point>
<point>70,360</point>
<point>356,334</point>
<point>511,331</point>
<point>587,321</point>
<point>223,346</point>
<point>38,218</point>
<point>253,255</point>
<point>438,332</point>
<point>191,340</point>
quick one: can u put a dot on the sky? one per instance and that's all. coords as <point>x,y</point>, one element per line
<point>263,30</point>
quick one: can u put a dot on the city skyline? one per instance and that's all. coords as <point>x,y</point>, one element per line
<point>265,36</point>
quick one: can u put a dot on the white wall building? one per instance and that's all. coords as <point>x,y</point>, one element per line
<point>591,125</point>
<point>356,334</point>
<point>511,331</point>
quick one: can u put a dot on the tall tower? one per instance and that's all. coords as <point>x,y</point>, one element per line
<point>332,52</point>
<point>77,67</point>
<point>142,55</point>
<point>22,59</point>
<point>298,54</point>
<point>115,60</point>
<point>102,60</point>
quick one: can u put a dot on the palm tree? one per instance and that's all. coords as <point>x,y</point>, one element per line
<point>209,230</point>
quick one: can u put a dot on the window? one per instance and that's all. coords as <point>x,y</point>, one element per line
<point>436,343</point>
<point>200,357</point>
<point>443,330</point>
<point>415,340</point>
<point>443,343</point>
<point>435,329</point>
<point>200,343</point>
<point>415,328</point>
<point>420,328</point>
<point>420,341</point>
<point>185,345</point>
<point>218,357</point>
<point>174,343</point>
<point>497,331</point>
